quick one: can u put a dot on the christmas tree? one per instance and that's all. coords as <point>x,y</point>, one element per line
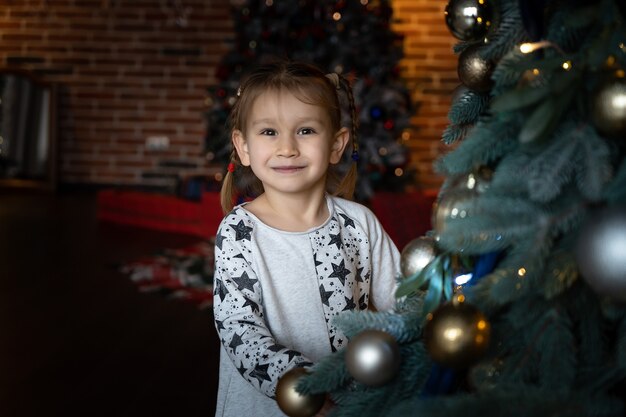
<point>349,37</point>
<point>515,303</point>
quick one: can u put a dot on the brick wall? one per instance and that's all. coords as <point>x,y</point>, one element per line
<point>132,69</point>
<point>127,70</point>
<point>429,68</point>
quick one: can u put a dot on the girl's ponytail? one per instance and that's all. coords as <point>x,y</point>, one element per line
<point>346,186</point>
<point>228,193</point>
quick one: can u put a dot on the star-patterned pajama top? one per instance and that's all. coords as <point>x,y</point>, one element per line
<point>276,292</point>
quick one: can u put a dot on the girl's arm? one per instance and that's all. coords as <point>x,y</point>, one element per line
<point>385,267</point>
<point>239,314</point>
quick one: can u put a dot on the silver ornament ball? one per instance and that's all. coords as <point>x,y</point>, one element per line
<point>458,196</point>
<point>416,255</point>
<point>601,252</point>
<point>453,205</point>
<point>608,108</point>
<point>373,357</point>
<point>468,19</point>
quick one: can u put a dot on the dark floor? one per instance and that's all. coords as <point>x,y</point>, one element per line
<point>76,337</point>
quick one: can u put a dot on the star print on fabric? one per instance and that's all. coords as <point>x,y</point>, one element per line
<point>362,303</point>
<point>340,272</point>
<point>317,263</point>
<point>332,344</point>
<point>220,290</point>
<point>325,295</point>
<point>235,342</point>
<point>335,240</point>
<point>241,231</point>
<point>242,369</point>
<point>220,325</point>
<point>245,282</point>
<point>350,305</point>
<point>260,373</point>
<point>255,306</point>
<point>291,353</point>
<point>218,240</point>
<point>347,221</point>
<point>359,277</point>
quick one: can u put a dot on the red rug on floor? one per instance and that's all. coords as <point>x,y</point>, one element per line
<point>185,274</point>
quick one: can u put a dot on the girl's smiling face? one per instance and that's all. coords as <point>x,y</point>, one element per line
<point>289,144</point>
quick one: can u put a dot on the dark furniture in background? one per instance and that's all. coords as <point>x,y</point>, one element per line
<point>28,119</point>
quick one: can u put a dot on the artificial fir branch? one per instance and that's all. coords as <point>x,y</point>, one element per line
<point>621,343</point>
<point>557,359</point>
<point>403,327</point>
<point>550,169</point>
<point>454,133</point>
<point>484,145</point>
<point>508,33</point>
<point>593,163</point>
<point>615,193</point>
<point>328,375</point>
<point>510,177</point>
<point>468,107</point>
<point>508,73</point>
<point>568,26</point>
<point>514,402</point>
<point>591,327</point>
<point>495,222</point>
<point>561,273</point>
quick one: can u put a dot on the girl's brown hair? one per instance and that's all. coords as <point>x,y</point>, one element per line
<point>311,86</point>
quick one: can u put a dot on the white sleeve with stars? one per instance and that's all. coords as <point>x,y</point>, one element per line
<point>238,310</point>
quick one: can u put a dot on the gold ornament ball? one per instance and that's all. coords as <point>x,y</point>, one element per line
<point>456,335</point>
<point>416,255</point>
<point>373,357</point>
<point>291,402</point>
<point>608,108</point>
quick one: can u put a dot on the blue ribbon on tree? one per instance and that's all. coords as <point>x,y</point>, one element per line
<point>442,380</point>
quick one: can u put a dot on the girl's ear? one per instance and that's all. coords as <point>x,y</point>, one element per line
<point>342,137</point>
<point>241,146</point>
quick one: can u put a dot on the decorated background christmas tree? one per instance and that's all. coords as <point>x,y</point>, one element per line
<point>350,37</point>
<point>515,303</point>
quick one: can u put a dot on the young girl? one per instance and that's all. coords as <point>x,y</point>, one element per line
<point>297,255</point>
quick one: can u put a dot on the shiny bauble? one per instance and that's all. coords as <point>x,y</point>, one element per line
<point>291,402</point>
<point>456,335</point>
<point>457,199</point>
<point>601,252</point>
<point>450,206</point>
<point>416,255</point>
<point>373,357</point>
<point>469,20</point>
<point>608,108</point>
<point>475,71</point>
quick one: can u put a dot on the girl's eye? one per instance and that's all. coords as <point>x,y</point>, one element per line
<point>268,132</point>
<point>306,131</point>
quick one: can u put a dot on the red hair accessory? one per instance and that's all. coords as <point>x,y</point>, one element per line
<point>231,167</point>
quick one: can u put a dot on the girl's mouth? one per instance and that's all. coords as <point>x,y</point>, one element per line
<point>287,169</point>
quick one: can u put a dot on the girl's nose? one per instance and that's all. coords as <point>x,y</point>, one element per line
<point>287,146</point>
